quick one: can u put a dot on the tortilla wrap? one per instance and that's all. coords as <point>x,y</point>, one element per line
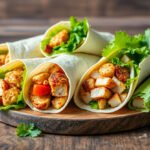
<point>144,72</point>
<point>73,66</point>
<point>29,65</point>
<point>23,49</point>
<point>93,44</point>
<point>140,100</point>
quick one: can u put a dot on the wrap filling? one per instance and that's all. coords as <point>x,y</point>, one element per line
<point>49,89</point>
<point>4,59</point>
<point>11,86</point>
<point>108,84</point>
<point>65,39</point>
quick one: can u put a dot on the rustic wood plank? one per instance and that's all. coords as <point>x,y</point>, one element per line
<point>134,140</point>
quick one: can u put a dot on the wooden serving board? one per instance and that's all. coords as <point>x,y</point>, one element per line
<point>74,121</point>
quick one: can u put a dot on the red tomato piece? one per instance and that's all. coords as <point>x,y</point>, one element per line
<point>48,49</point>
<point>41,90</point>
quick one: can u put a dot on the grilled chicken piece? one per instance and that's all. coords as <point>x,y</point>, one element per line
<point>102,103</point>
<point>41,78</point>
<point>14,78</point>
<point>138,103</point>
<point>122,73</point>
<point>115,100</point>
<point>3,86</point>
<point>59,38</point>
<point>59,90</point>
<point>123,96</point>
<point>41,103</point>
<point>55,68</point>
<point>59,84</point>
<point>58,102</point>
<point>2,59</point>
<point>120,86</point>
<point>107,70</point>
<point>88,84</point>
<point>95,75</point>
<point>85,96</point>
<point>100,92</point>
<point>106,82</point>
<point>10,96</point>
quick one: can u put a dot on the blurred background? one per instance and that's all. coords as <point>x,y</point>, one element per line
<point>43,9</point>
<point>24,18</point>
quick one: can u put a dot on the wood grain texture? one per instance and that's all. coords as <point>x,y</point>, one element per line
<point>60,8</point>
<point>74,121</point>
<point>133,140</point>
<point>15,29</point>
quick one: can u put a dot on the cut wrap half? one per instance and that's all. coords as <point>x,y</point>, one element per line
<point>50,86</point>
<point>73,36</point>
<point>12,80</point>
<point>109,84</point>
<point>140,100</point>
<point>23,49</point>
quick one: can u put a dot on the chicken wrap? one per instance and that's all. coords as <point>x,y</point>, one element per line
<point>109,84</point>
<point>12,80</point>
<point>73,36</point>
<point>140,100</point>
<point>51,85</point>
<point>23,49</point>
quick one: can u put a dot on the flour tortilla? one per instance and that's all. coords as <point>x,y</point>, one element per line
<point>145,71</point>
<point>93,44</point>
<point>29,65</point>
<point>23,49</point>
<point>74,67</point>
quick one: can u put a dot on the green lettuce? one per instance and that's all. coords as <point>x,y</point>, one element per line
<point>143,92</point>
<point>77,35</point>
<point>133,46</point>
<point>136,47</point>
<point>94,104</point>
<point>20,101</point>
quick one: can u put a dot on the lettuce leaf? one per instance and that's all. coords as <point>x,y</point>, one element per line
<point>94,104</point>
<point>143,92</point>
<point>136,47</point>
<point>77,35</point>
<point>44,42</point>
<point>20,101</point>
<point>117,61</point>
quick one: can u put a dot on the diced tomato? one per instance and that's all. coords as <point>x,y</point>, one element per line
<point>41,90</point>
<point>48,49</point>
<point>1,101</point>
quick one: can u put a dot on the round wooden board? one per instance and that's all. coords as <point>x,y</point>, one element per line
<point>74,121</point>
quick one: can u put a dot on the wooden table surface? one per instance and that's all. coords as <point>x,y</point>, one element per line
<point>11,30</point>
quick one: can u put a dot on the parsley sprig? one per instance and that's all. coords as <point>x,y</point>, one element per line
<point>30,130</point>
